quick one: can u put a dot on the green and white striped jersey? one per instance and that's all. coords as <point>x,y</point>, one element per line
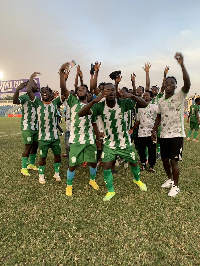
<point>81,127</point>
<point>156,99</point>
<point>47,113</point>
<point>29,119</point>
<point>115,127</point>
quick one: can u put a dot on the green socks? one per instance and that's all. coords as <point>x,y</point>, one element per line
<point>190,133</point>
<point>32,158</point>
<point>24,162</point>
<point>136,172</point>
<point>108,178</point>
<point>41,170</point>
<point>57,167</point>
<point>195,134</point>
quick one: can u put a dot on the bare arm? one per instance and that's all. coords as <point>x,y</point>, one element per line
<point>96,69</point>
<point>85,110</point>
<point>63,77</point>
<point>134,127</point>
<point>146,69</point>
<point>133,83</point>
<point>30,85</point>
<point>164,78</point>
<point>197,116</point>
<point>16,94</point>
<point>155,128</point>
<point>96,131</point>
<point>76,79</point>
<point>186,78</point>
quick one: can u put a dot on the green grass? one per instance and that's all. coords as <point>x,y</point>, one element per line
<point>41,226</point>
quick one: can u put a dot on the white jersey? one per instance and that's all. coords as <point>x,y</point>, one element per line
<point>147,117</point>
<point>172,115</point>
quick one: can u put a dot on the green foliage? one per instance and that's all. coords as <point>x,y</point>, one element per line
<point>41,226</point>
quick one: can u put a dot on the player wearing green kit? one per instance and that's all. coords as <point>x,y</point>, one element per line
<point>29,127</point>
<point>82,139</point>
<point>117,140</point>
<point>48,134</point>
<point>194,119</point>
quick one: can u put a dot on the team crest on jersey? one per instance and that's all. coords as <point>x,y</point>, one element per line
<point>73,159</point>
<point>29,139</point>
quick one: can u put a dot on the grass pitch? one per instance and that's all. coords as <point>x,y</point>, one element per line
<point>41,226</point>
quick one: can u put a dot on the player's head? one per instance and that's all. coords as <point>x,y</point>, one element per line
<point>101,85</point>
<point>170,85</point>
<point>125,90</point>
<point>155,90</point>
<point>197,100</point>
<point>82,92</point>
<point>140,91</point>
<point>46,94</point>
<point>89,96</point>
<point>111,91</point>
<point>147,96</point>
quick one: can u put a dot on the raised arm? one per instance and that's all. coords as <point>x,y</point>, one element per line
<point>96,69</point>
<point>186,78</point>
<point>85,110</point>
<point>64,73</point>
<point>16,94</point>
<point>146,68</point>
<point>133,76</point>
<point>76,78</point>
<point>164,78</point>
<point>30,85</point>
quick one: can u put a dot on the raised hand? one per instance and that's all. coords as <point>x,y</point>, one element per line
<point>35,74</point>
<point>179,57</point>
<point>66,74</point>
<point>166,70</point>
<point>133,76</point>
<point>147,67</point>
<point>97,66</point>
<point>118,79</point>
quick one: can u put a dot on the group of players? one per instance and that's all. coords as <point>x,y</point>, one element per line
<point>106,111</point>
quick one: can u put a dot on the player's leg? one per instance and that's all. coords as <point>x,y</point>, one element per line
<point>152,154</point>
<point>43,148</point>
<point>191,129</point>
<point>130,155</point>
<point>33,153</point>
<point>56,149</point>
<point>90,156</point>
<point>176,155</point>
<point>141,149</point>
<point>75,158</point>
<point>108,156</point>
<point>28,141</point>
<point>196,132</point>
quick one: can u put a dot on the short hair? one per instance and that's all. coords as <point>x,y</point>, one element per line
<point>84,85</point>
<point>156,86</point>
<point>172,77</point>
<point>47,87</point>
<point>109,83</point>
<point>101,84</point>
<point>125,88</point>
<point>141,87</point>
<point>197,99</point>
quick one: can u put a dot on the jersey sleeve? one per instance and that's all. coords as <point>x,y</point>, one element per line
<point>57,101</point>
<point>72,100</point>
<point>96,111</point>
<point>23,98</point>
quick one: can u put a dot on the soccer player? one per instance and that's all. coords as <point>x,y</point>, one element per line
<point>82,139</point>
<point>29,127</point>
<point>146,119</point>
<point>171,116</point>
<point>194,119</point>
<point>116,140</point>
<point>48,134</point>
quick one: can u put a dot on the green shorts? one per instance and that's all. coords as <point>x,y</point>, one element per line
<point>194,125</point>
<point>29,136</point>
<point>80,153</point>
<point>44,145</point>
<point>128,154</point>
